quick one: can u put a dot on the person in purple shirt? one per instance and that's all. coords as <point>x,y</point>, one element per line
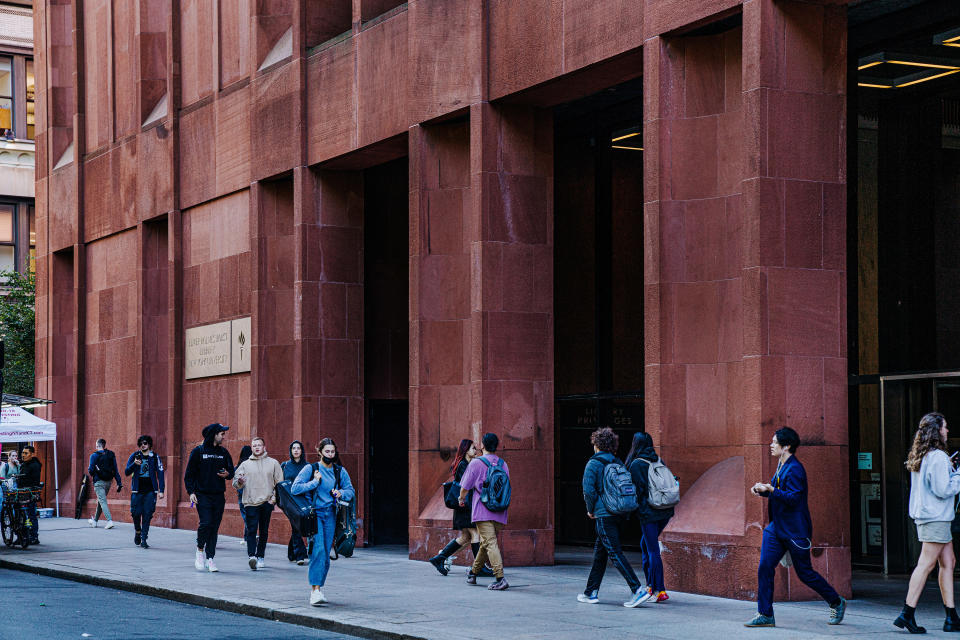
<point>488,523</point>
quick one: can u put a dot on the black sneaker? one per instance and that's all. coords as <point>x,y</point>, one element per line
<point>486,572</point>
<point>471,578</point>
<point>144,544</point>
<point>136,538</point>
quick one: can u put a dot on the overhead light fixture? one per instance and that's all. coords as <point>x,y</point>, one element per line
<point>924,68</point>
<point>939,75</point>
<point>624,137</point>
<point>948,38</point>
<point>617,146</point>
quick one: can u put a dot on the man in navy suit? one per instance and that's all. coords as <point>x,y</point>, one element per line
<point>790,529</point>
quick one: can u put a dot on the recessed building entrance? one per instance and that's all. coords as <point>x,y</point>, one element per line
<point>385,349</point>
<point>903,274</point>
<point>598,287</point>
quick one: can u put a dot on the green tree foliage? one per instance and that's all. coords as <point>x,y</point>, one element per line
<point>17,329</point>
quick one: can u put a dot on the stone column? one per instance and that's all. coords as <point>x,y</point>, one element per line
<point>481,305</point>
<point>745,283</point>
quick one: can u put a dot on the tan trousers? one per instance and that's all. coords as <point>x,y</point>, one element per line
<point>489,550</point>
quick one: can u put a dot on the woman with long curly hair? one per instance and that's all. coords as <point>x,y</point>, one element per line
<point>462,520</point>
<point>933,485</point>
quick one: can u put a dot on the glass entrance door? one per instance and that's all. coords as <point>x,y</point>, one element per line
<point>905,399</point>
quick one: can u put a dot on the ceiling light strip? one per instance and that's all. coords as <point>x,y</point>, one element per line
<point>939,75</point>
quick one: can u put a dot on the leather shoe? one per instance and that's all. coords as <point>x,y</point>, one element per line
<point>910,624</point>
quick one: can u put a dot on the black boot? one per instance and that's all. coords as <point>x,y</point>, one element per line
<point>952,621</point>
<point>439,560</point>
<point>906,620</point>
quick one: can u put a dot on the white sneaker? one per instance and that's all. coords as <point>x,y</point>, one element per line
<point>109,525</point>
<point>260,563</point>
<point>316,597</point>
<point>253,563</point>
<point>199,561</point>
<point>301,562</point>
<point>211,567</point>
<point>93,523</point>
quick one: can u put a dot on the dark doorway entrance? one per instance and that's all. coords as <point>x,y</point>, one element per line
<point>388,471</point>
<point>902,224</point>
<point>598,285</point>
<point>386,343</point>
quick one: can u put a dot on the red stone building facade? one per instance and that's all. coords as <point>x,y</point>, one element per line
<point>388,191</point>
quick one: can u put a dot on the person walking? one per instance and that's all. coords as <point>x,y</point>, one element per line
<point>327,482</point>
<point>103,469</point>
<point>600,480</point>
<point>208,467</point>
<point>790,531</point>
<point>245,453</point>
<point>31,478</point>
<point>934,484</point>
<point>491,499</point>
<point>462,520</point>
<point>146,487</point>
<point>652,521</point>
<point>258,476</point>
<point>296,549</point>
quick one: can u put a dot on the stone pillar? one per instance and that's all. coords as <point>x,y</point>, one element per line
<point>328,308</point>
<point>481,305</point>
<point>745,283</point>
<point>794,216</point>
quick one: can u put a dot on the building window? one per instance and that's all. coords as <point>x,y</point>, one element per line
<point>6,95</point>
<point>31,92</point>
<point>8,252</point>
<point>32,266</point>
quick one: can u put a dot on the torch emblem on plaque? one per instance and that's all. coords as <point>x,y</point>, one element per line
<point>241,340</point>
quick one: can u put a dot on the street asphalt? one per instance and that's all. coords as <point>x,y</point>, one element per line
<point>43,608</point>
<point>380,593</point>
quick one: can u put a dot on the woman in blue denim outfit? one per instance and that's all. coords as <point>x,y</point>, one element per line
<point>320,480</point>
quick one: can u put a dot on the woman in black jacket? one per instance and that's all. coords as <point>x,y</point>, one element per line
<point>296,549</point>
<point>652,521</point>
<point>462,520</point>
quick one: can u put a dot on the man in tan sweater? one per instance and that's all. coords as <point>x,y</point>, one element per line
<point>258,476</point>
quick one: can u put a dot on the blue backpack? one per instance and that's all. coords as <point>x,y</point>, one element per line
<point>495,491</point>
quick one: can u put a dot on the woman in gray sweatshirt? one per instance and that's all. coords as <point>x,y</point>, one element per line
<point>934,483</point>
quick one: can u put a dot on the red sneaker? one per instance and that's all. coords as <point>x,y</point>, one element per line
<point>662,597</point>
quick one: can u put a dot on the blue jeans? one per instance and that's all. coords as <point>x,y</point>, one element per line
<point>322,543</point>
<point>608,546</point>
<point>142,506</point>
<point>650,544</point>
<point>771,551</point>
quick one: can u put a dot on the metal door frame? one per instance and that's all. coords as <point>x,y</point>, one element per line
<point>932,377</point>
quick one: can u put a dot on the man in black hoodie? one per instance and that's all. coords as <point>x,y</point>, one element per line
<point>30,479</point>
<point>209,466</point>
<point>296,550</point>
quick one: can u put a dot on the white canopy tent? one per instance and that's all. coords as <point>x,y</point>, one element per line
<point>19,425</point>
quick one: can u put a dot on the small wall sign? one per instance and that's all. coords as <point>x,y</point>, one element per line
<point>218,349</point>
<point>865,460</point>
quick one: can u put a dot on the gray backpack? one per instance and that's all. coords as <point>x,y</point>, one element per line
<point>663,488</point>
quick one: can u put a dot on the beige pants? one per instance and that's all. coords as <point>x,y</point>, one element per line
<point>489,551</point>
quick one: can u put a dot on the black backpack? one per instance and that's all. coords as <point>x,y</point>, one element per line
<point>102,469</point>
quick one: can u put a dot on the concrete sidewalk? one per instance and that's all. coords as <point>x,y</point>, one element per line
<point>381,594</point>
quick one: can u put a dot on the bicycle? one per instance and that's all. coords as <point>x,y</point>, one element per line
<point>14,518</point>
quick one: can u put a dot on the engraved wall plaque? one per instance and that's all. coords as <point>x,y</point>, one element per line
<point>207,350</point>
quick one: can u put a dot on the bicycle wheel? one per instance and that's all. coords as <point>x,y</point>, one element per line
<point>6,525</point>
<point>20,525</point>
